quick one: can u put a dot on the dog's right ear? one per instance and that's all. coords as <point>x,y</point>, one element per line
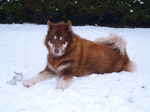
<point>49,25</point>
<point>69,26</point>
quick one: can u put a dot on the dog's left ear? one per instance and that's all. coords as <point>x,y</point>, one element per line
<point>69,26</point>
<point>49,25</point>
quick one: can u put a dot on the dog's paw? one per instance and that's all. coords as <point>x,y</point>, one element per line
<point>63,84</point>
<point>28,83</point>
<point>61,87</point>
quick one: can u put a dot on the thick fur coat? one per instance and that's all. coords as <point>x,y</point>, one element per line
<point>69,55</point>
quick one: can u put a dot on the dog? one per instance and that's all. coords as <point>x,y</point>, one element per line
<point>69,55</point>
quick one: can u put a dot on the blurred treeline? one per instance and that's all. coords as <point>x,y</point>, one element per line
<point>116,13</point>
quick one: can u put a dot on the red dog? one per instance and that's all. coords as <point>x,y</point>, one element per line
<point>69,55</point>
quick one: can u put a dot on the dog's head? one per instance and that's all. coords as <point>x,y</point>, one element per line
<point>58,37</point>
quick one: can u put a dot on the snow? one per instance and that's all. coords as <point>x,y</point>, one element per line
<point>22,50</point>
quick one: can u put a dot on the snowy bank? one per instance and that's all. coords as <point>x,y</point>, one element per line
<point>22,50</point>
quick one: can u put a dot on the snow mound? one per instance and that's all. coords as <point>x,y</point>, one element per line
<point>22,50</point>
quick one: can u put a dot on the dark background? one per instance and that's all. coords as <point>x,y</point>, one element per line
<point>115,13</point>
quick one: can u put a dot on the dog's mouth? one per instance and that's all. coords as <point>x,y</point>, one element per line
<point>58,51</point>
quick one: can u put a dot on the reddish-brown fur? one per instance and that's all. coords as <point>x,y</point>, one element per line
<point>86,57</point>
<point>80,57</point>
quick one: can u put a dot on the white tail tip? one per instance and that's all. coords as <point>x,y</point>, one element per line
<point>131,67</point>
<point>115,41</point>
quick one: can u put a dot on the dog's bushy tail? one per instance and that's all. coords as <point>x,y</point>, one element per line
<point>115,42</point>
<point>130,67</point>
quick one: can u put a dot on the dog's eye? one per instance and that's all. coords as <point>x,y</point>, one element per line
<point>63,39</point>
<point>51,39</point>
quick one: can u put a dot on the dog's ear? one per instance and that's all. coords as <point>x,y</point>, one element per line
<point>69,26</point>
<point>49,25</point>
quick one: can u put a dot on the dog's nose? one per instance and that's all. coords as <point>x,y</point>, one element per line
<point>56,50</point>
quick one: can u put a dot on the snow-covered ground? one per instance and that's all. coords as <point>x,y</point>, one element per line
<point>22,50</point>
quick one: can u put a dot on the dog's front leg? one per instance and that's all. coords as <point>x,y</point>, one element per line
<point>65,73</point>
<point>43,75</point>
